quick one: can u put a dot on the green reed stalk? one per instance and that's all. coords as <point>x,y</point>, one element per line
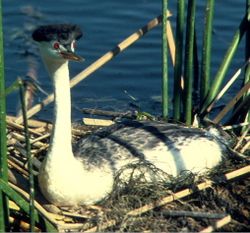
<point>206,51</point>
<point>164,61</point>
<point>4,211</point>
<point>180,20</point>
<point>247,51</point>
<point>22,203</point>
<point>196,75</point>
<point>225,65</point>
<point>189,61</point>
<point>29,156</point>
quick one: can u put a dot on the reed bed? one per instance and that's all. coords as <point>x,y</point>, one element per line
<point>218,201</point>
<point>193,203</point>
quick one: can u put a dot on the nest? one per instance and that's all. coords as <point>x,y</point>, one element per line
<point>218,201</point>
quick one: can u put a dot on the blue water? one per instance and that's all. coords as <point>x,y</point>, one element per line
<point>137,71</point>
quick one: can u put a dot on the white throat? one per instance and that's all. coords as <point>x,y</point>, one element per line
<point>60,144</point>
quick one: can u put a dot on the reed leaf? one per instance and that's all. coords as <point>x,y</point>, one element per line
<point>164,61</point>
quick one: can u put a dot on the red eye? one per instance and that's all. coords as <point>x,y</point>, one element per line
<point>56,45</point>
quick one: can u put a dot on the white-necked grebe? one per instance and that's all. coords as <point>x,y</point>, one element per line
<point>87,175</point>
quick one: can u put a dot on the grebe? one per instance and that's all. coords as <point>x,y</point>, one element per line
<point>87,175</point>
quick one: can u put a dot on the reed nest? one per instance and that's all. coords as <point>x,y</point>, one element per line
<point>219,201</point>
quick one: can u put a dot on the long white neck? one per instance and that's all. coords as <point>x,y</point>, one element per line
<point>60,144</point>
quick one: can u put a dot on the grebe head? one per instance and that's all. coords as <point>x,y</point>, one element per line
<point>57,42</point>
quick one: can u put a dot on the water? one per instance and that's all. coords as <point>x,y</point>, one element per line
<point>137,71</point>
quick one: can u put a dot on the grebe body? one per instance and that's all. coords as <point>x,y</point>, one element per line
<point>86,174</point>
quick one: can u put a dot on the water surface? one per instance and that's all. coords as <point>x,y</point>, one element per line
<point>136,72</point>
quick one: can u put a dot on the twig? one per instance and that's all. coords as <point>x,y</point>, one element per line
<point>218,224</point>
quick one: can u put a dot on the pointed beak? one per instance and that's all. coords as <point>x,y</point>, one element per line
<point>71,56</point>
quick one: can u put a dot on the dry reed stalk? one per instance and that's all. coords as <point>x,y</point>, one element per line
<point>171,41</point>
<point>21,138</point>
<point>106,113</point>
<point>136,212</point>
<point>170,198</point>
<point>49,216</point>
<point>227,86</point>
<point>18,168</point>
<point>231,104</point>
<point>237,173</point>
<point>245,147</point>
<point>239,143</point>
<point>32,123</point>
<point>192,214</point>
<point>98,63</point>
<point>218,224</point>
<point>97,122</point>
<point>102,227</point>
<point>13,206</point>
<point>171,45</point>
<point>20,127</point>
<point>52,218</point>
<point>19,160</point>
<point>22,224</point>
<point>75,215</point>
<point>40,138</point>
<point>229,127</point>
<point>37,205</point>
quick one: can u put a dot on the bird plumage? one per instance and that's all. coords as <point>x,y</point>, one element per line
<point>87,175</point>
